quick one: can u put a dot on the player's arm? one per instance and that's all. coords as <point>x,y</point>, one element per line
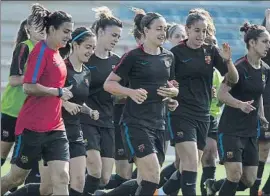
<point>225,97</point>
<point>223,62</point>
<point>113,86</point>
<point>19,59</point>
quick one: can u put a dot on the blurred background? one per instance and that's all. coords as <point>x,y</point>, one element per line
<point>228,16</point>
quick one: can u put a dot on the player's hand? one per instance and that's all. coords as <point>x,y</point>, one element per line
<point>264,123</point>
<point>172,104</point>
<point>247,106</point>
<point>138,95</point>
<point>72,108</point>
<point>226,52</point>
<point>94,114</point>
<point>167,92</point>
<point>214,92</point>
<point>67,94</point>
<point>174,83</point>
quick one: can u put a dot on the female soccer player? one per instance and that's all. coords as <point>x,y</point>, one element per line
<point>264,138</point>
<point>13,95</point>
<point>238,126</point>
<point>175,34</point>
<point>40,129</point>
<point>99,134</point>
<point>83,43</point>
<point>147,69</point>
<point>123,167</point>
<point>194,62</point>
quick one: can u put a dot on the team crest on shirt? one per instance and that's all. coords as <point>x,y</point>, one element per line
<point>207,59</point>
<point>113,66</point>
<point>86,81</point>
<point>229,155</point>
<point>167,62</point>
<point>263,77</point>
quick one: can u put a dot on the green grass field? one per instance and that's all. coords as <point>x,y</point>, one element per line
<point>220,173</point>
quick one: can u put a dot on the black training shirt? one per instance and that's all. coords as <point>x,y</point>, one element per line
<point>80,90</point>
<point>149,72</point>
<point>194,73</point>
<point>99,99</point>
<point>19,59</point>
<point>266,94</point>
<point>249,87</point>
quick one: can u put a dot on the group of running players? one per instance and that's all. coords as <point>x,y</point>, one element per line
<point>74,104</point>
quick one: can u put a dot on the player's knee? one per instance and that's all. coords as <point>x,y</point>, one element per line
<point>249,183</point>
<point>60,177</point>
<point>95,167</point>
<point>234,175</point>
<point>77,182</point>
<point>208,158</point>
<point>151,174</point>
<point>105,180</point>
<point>45,189</point>
<point>16,180</point>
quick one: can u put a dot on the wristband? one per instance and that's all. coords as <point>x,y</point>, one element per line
<point>60,92</point>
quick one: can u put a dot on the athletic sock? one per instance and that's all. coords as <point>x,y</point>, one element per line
<point>218,184</point>
<point>91,184</point>
<point>166,173</point>
<point>255,188</point>
<point>146,188</point>
<point>73,192</point>
<point>3,161</point>
<point>188,183</point>
<point>28,189</point>
<point>115,181</point>
<point>173,184</point>
<point>208,172</point>
<point>241,186</point>
<point>134,174</point>
<point>228,188</point>
<point>127,188</point>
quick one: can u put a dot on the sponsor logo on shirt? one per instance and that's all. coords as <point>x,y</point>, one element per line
<point>229,155</point>
<point>113,66</point>
<point>246,76</point>
<point>142,62</point>
<point>186,60</point>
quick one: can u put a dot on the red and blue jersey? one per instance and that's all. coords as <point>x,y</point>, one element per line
<point>45,66</point>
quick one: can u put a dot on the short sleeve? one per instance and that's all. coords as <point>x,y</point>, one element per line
<point>124,66</point>
<point>36,64</point>
<point>219,63</point>
<point>241,73</point>
<point>19,59</point>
